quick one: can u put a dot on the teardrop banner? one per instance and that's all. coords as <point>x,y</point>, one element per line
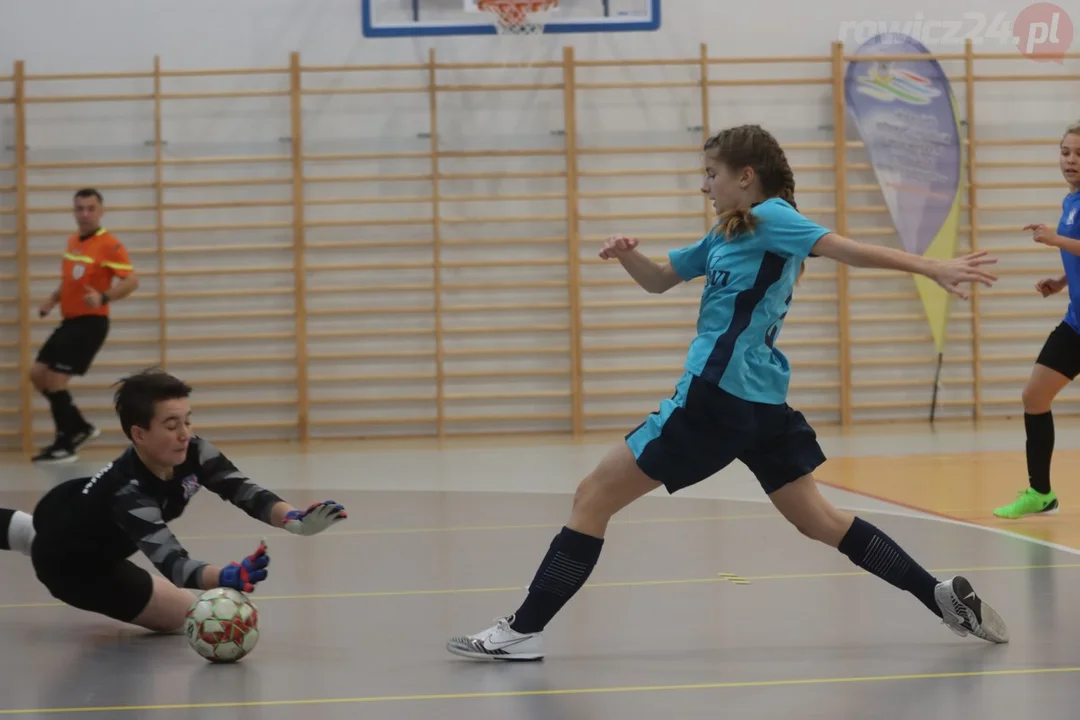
<point>908,119</point>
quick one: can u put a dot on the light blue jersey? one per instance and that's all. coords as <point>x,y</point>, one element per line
<point>749,282</point>
<point>1069,226</point>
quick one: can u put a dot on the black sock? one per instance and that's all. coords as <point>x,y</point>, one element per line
<point>76,421</point>
<point>66,416</point>
<point>568,563</point>
<point>1040,446</point>
<point>58,405</point>
<point>56,408</point>
<point>874,551</point>
<point>5,523</point>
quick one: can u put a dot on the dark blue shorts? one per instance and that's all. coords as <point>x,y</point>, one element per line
<point>702,429</point>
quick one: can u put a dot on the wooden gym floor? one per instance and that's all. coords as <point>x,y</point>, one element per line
<point>703,604</point>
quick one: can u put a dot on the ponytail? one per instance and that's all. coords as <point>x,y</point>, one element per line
<point>752,145</point>
<point>736,222</point>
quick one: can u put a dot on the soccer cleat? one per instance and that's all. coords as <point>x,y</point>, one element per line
<point>498,643</point>
<point>1028,502</point>
<point>964,612</point>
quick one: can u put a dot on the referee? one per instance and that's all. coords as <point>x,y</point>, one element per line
<point>92,259</point>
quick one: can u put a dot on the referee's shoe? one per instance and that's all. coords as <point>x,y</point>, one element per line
<point>65,449</point>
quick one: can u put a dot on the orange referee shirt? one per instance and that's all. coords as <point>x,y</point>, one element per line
<point>90,263</point>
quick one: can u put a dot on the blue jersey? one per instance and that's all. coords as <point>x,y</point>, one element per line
<point>749,282</point>
<point>1069,227</point>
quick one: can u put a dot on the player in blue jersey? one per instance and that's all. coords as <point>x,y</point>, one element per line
<point>731,402</point>
<point>1058,362</point>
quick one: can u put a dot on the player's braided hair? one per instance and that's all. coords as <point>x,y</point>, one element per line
<point>752,146</point>
<point>1073,129</point>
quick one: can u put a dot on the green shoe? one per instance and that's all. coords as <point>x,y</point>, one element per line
<point>1028,502</point>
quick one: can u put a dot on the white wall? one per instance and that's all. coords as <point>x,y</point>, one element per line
<point>124,35</point>
<point>55,35</point>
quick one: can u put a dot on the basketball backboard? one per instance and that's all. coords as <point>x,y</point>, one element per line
<point>409,18</point>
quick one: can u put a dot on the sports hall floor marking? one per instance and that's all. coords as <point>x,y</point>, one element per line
<point>480,528</point>
<point>905,509</point>
<point>791,682</point>
<point>734,579</point>
<point>721,577</point>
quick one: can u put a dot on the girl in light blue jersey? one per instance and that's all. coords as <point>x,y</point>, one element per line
<point>1058,362</point>
<point>730,404</point>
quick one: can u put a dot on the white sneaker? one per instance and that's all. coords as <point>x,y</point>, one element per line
<point>498,643</point>
<point>965,612</point>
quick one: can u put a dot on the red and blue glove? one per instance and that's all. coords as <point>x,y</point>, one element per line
<point>244,575</point>
<point>315,519</point>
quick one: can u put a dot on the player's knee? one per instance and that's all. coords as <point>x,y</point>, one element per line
<point>808,527</point>
<point>592,500</point>
<point>55,382</point>
<point>38,374</point>
<point>824,526</point>
<point>586,495</point>
<point>166,609</point>
<point>1036,400</point>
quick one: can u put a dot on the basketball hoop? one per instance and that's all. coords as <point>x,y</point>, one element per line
<point>518,17</point>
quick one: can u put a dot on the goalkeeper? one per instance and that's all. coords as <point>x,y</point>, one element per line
<point>83,531</point>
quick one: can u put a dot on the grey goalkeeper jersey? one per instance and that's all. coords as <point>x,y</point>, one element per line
<point>124,508</point>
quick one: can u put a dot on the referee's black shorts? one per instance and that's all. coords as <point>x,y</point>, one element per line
<point>1061,351</point>
<point>73,345</point>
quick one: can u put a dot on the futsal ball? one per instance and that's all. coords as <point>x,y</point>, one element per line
<point>222,625</point>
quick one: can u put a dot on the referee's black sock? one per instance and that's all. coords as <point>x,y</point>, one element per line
<point>874,551</point>
<point>66,416</point>
<point>76,421</point>
<point>58,404</point>
<point>1040,447</point>
<point>569,561</point>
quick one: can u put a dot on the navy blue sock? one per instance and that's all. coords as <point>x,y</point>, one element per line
<point>569,561</point>
<point>877,553</point>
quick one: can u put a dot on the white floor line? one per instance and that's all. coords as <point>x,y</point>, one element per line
<point>1006,533</point>
<point>906,512</point>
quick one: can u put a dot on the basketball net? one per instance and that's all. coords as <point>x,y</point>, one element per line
<point>518,17</point>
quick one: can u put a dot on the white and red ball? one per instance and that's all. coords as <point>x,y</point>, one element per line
<point>222,625</point>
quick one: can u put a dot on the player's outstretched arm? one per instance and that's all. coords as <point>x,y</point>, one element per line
<point>949,274</point>
<point>141,519</point>
<point>242,576</point>
<point>652,276</point>
<point>218,474</point>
